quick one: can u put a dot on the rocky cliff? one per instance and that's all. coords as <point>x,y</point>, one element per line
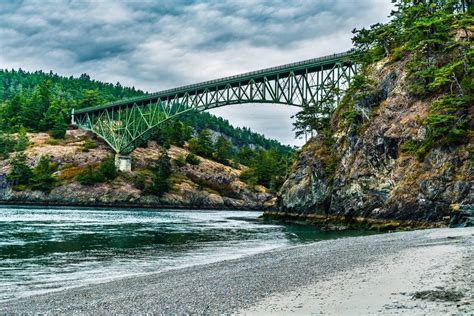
<point>367,173</point>
<point>206,185</point>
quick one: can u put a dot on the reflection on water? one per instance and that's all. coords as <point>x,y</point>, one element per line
<point>43,249</point>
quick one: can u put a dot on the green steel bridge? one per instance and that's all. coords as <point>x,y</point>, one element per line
<point>125,124</point>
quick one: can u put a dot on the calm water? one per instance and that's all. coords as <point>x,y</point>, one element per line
<point>43,250</point>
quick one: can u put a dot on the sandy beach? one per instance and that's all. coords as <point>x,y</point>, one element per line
<point>420,272</point>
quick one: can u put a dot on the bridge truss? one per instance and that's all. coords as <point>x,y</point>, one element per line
<point>127,123</point>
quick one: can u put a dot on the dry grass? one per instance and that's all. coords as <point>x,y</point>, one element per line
<point>70,173</point>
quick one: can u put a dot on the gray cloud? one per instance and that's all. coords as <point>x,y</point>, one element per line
<point>156,45</point>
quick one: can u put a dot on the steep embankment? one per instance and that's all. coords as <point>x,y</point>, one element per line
<point>397,150</point>
<point>206,185</point>
<point>370,173</point>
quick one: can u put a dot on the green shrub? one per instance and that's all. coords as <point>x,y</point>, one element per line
<point>223,150</point>
<point>43,178</point>
<point>180,161</point>
<point>445,124</point>
<point>106,171</point>
<point>409,146</point>
<point>59,127</point>
<point>422,151</point>
<point>89,176</point>
<point>52,142</point>
<point>249,177</point>
<point>192,159</point>
<point>20,172</point>
<point>107,168</point>
<point>398,53</point>
<point>249,180</point>
<point>20,187</point>
<point>139,181</point>
<point>22,140</point>
<point>7,145</point>
<point>88,144</point>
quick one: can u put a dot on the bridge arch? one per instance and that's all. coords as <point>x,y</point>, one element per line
<point>127,123</point>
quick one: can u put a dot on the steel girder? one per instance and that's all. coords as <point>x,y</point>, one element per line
<point>126,124</point>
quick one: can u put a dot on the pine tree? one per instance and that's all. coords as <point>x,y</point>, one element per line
<point>22,140</point>
<point>11,113</point>
<point>89,98</point>
<point>7,145</point>
<point>162,171</point>
<point>59,128</point>
<point>245,155</point>
<point>202,145</point>
<point>42,178</point>
<point>318,115</point>
<point>223,150</point>
<point>42,98</point>
<point>20,172</point>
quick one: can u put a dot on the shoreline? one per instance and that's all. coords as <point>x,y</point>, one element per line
<point>304,279</point>
<point>333,222</point>
<point>121,206</point>
<point>319,221</point>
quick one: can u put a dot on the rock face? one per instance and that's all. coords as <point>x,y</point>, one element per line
<point>373,178</point>
<point>206,185</point>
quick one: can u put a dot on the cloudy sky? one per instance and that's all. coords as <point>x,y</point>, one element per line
<point>155,45</point>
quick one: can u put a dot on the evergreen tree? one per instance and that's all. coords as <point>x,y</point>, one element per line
<point>177,133</point>
<point>22,140</point>
<point>89,98</point>
<point>162,171</point>
<point>59,127</point>
<point>7,145</point>
<point>316,116</point>
<point>89,176</point>
<point>223,150</point>
<point>39,106</point>
<point>42,178</point>
<point>55,117</point>
<point>107,168</point>
<point>202,145</point>
<point>245,155</point>
<point>192,159</point>
<point>45,97</point>
<point>11,113</point>
<point>20,172</point>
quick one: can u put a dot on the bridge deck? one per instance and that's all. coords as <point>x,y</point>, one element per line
<point>324,62</point>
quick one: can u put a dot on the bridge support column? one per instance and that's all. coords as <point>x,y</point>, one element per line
<point>123,162</point>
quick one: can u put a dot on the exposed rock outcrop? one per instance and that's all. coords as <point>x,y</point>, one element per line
<point>373,177</point>
<point>206,185</point>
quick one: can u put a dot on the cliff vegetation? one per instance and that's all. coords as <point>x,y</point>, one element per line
<point>398,147</point>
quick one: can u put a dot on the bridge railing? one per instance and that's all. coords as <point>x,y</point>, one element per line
<point>256,72</point>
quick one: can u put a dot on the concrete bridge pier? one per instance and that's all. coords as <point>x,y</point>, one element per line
<point>123,163</point>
